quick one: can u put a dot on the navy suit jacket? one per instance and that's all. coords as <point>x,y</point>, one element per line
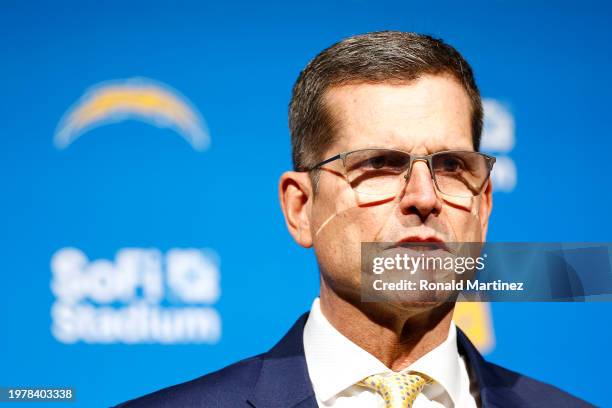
<point>279,378</point>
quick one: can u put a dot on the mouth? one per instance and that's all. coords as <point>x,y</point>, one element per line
<point>421,243</point>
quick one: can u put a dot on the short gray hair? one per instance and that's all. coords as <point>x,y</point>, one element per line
<point>378,57</point>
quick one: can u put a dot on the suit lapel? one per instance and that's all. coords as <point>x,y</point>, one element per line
<point>283,379</point>
<point>494,390</point>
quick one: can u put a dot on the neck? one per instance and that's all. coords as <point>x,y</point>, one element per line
<point>395,335</point>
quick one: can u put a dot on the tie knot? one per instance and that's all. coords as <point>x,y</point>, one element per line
<point>399,390</point>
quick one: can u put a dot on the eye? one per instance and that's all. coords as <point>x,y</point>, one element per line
<point>391,161</point>
<point>376,162</point>
<point>451,164</point>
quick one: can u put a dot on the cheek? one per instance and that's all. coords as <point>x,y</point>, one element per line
<point>464,221</point>
<point>343,227</point>
<point>345,222</point>
<point>340,229</point>
<point>337,248</point>
<point>335,213</point>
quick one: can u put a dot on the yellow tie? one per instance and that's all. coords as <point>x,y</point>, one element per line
<point>398,390</point>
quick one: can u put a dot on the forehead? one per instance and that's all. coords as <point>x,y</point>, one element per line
<point>427,115</point>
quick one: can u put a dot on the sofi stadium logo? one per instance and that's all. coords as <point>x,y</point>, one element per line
<point>142,296</point>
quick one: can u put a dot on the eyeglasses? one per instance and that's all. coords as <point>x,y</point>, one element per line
<point>381,173</point>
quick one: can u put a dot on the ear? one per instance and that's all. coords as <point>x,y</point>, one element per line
<point>486,205</point>
<point>295,194</point>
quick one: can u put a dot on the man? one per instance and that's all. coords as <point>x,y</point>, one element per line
<point>379,123</point>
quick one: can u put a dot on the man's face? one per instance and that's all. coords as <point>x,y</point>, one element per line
<point>421,117</point>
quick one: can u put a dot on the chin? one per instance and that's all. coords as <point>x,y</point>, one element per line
<point>421,303</point>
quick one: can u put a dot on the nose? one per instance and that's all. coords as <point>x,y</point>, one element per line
<point>419,195</point>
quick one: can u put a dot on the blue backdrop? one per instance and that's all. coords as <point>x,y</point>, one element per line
<point>156,191</point>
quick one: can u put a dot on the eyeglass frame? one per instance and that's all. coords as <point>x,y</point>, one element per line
<point>490,161</point>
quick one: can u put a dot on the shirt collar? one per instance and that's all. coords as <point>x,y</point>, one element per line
<point>336,363</point>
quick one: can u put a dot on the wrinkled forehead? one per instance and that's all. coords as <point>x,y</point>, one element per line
<point>432,113</point>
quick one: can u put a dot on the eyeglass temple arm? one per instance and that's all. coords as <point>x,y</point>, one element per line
<point>491,160</point>
<point>331,159</point>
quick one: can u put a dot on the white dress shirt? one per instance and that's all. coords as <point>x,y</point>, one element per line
<point>336,364</point>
